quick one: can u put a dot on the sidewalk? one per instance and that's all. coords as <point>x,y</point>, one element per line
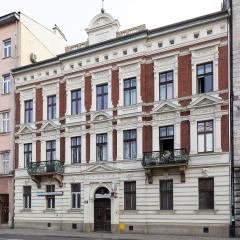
<point>95,235</point>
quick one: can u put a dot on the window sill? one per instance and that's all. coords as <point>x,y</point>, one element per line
<point>128,212</point>
<point>166,212</point>
<point>5,94</point>
<point>77,210</point>
<point>4,133</point>
<point>49,210</point>
<point>203,212</point>
<point>6,57</point>
<point>26,210</point>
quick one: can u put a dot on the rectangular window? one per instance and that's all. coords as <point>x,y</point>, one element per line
<point>205,77</point>
<point>76,195</point>
<point>27,198</point>
<point>130,195</point>
<point>7,48</point>
<point>51,198</point>
<point>28,111</point>
<point>166,138</point>
<point>6,84</point>
<point>5,122</point>
<point>102,148</point>
<point>166,85</point>
<point>206,193</point>
<point>51,107</point>
<point>76,101</point>
<point>5,163</point>
<point>166,194</point>
<point>205,136</point>
<point>102,97</point>
<point>130,143</point>
<point>27,154</point>
<point>51,150</point>
<point>130,91</point>
<point>76,149</point>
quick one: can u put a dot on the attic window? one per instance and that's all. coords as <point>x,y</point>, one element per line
<point>222,27</point>
<point>72,66</point>
<point>80,64</point>
<point>171,41</point>
<point>209,31</point>
<point>47,73</point>
<point>124,52</point>
<point>97,59</point>
<point>25,79</point>
<point>88,60</point>
<point>39,74</point>
<point>135,49</point>
<point>115,53</point>
<point>106,57</point>
<point>184,37</point>
<point>55,71</point>
<point>160,44</point>
<point>196,35</point>
<point>32,77</point>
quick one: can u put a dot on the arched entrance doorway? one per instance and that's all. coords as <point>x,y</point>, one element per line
<point>102,210</point>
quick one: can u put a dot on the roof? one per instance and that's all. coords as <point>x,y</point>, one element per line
<point>9,18</point>
<point>128,38</point>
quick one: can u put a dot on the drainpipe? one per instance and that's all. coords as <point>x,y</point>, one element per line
<point>231,135</point>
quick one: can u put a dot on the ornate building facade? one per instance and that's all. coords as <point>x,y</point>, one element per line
<point>127,132</point>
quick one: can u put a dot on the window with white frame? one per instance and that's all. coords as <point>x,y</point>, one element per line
<point>51,107</point>
<point>130,143</point>
<point>27,154</point>
<point>76,149</point>
<point>28,111</point>
<point>205,136</point>
<point>76,101</point>
<point>205,77</point>
<point>76,195</point>
<point>7,48</point>
<point>102,96</point>
<point>101,147</point>
<point>5,122</point>
<point>6,84</point>
<point>130,91</point>
<point>27,195</point>
<point>166,85</point>
<point>50,199</point>
<point>5,162</point>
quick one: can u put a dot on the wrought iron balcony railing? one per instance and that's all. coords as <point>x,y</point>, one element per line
<point>46,167</point>
<point>163,158</point>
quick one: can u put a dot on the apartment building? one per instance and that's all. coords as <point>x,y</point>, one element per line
<point>22,41</point>
<point>127,132</point>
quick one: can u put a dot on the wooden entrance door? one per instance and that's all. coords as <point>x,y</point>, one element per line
<point>4,208</point>
<point>102,214</point>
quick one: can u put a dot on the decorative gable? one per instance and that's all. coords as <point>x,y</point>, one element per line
<point>26,129</point>
<point>49,126</point>
<point>101,168</point>
<point>205,101</point>
<point>166,107</point>
<point>99,117</point>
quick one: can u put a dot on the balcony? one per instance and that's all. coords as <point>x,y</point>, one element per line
<point>177,158</point>
<point>46,169</point>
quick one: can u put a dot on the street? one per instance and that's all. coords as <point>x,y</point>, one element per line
<point>62,235</point>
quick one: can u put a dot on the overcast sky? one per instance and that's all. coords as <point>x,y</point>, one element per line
<point>73,16</point>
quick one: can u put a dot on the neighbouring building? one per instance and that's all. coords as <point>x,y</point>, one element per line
<point>22,41</point>
<point>127,132</point>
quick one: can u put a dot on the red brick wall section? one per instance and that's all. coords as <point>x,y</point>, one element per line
<point>115,87</point>
<point>16,155</point>
<point>224,133</point>
<point>87,147</point>
<point>38,151</point>
<point>147,139</point>
<point>62,99</point>
<point>17,112</point>
<point>147,83</point>
<point>184,76</point>
<point>223,67</point>
<point>185,135</point>
<point>39,105</point>
<point>62,149</point>
<point>88,93</point>
<point>114,145</point>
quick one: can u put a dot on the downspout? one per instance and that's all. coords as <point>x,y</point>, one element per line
<point>231,135</point>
